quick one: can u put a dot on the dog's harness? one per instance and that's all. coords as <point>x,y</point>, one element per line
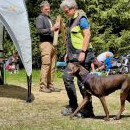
<point>87,77</point>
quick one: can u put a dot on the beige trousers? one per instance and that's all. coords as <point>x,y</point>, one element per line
<point>48,59</point>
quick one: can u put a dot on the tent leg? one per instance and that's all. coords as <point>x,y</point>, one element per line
<point>29,81</point>
<point>2,73</point>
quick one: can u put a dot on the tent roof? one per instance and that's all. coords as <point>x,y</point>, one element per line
<point>14,17</point>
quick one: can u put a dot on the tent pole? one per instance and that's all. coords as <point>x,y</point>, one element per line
<point>3,75</point>
<point>29,82</point>
<point>2,62</point>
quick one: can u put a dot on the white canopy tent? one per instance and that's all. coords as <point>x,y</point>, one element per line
<point>14,17</point>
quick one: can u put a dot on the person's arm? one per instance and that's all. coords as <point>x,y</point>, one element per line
<point>86,34</point>
<point>65,57</point>
<point>93,67</point>
<point>40,27</point>
<point>101,67</point>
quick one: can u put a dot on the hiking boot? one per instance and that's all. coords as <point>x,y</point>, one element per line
<point>46,90</point>
<point>67,111</point>
<point>87,114</point>
<point>53,89</point>
<point>79,115</point>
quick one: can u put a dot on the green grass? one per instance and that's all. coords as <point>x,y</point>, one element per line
<point>44,111</point>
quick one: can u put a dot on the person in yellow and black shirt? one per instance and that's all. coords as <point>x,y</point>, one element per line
<point>79,50</point>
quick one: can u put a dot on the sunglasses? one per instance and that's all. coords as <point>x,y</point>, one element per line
<point>67,11</point>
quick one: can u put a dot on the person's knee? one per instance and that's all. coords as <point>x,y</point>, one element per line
<point>68,80</point>
<point>46,60</point>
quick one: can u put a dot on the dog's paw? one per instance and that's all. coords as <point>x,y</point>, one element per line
<point>107,119</point>
<point>116,118</point>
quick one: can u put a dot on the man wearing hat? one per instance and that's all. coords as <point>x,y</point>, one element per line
<point>45,30</point>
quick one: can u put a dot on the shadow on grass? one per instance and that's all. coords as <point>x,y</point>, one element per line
<point>111,116</point>
<point>13,91</point>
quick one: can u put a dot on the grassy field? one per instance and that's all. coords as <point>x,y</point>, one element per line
<point>44,113</point>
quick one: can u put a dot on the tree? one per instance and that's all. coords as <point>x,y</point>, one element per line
<point>109,22</point>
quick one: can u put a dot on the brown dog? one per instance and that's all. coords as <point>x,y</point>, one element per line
<point>103,86</point>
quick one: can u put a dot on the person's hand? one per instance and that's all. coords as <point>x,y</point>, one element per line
<point>81,57</point>
<point>97,69</point>
<point>55,27</point>
<point>65,58</point>
<point>93,70</point>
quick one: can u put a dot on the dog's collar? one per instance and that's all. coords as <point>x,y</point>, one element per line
<point>87,77</point>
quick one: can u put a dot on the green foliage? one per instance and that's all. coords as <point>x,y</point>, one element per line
<point>8,45</point>
<point>35,38</point>
<point>109,21</point>
<point>35,44</point>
